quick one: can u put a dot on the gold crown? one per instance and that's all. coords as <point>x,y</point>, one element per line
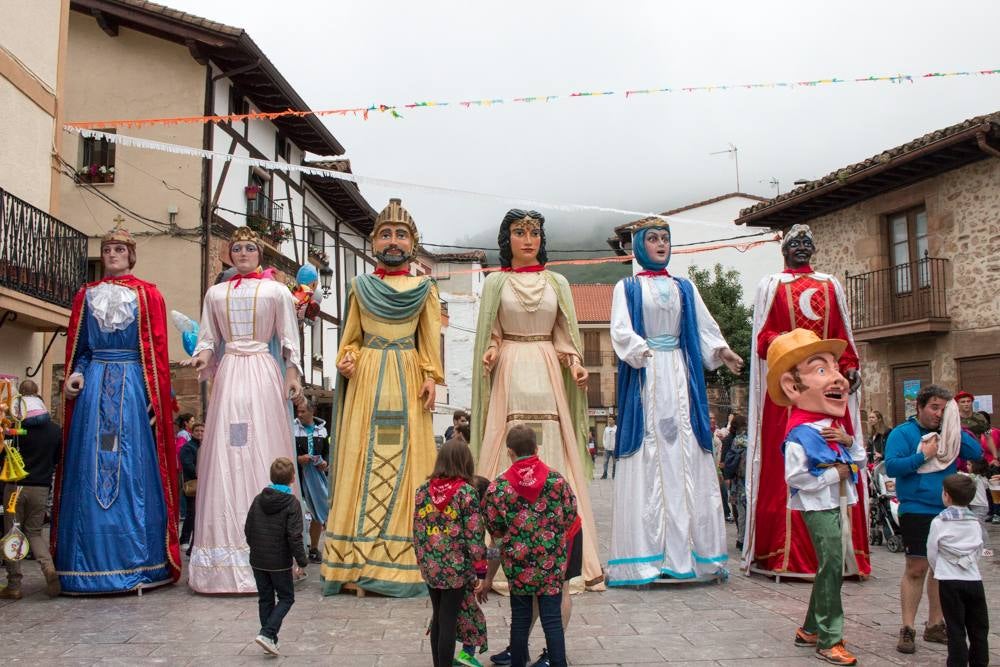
<point>245,234</point>
<point>526,224</point>
<point>395,214</point>
<point>651,222</point>
<point>118,235</point>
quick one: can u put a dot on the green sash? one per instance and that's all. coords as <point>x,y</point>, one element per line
<point>387,303</point>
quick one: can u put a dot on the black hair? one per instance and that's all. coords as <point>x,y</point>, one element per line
<point>182,419</point>
<point>932,391</point>
<point>503,237</point>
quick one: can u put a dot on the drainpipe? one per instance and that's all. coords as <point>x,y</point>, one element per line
<point>984,146</point>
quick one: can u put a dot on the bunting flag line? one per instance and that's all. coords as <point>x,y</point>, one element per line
<point>393,109</point>
<point>178,149</point>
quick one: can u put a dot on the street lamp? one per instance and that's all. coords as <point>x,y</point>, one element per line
<point>325,278</point>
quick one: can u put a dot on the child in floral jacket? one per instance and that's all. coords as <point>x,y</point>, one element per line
<point>530,510</point>
<point>448,540</point>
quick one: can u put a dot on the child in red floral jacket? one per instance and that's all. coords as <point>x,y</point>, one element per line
<point>530,510</point>
<point>448,540</point>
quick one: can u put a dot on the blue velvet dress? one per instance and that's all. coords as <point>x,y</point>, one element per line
<point>112,514</point>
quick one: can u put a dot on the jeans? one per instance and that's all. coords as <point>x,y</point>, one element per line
<point>609,456</point>
<point>825,615</point>
<point>187,528</point>
<point>30,513</point>
<point>270,583</point>
<point>550,616</point>
<point>445,603</point>
<point>964,607</point>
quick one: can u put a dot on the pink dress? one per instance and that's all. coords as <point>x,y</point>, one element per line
<point>248,423</point>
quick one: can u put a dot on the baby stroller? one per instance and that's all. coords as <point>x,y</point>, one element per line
<point>883,510</point>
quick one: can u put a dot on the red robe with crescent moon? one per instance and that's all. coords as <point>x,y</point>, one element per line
<point>781,542</point>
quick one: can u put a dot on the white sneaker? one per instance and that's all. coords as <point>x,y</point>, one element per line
<point>267,644</point>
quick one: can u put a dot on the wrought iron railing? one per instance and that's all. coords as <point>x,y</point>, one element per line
<point>902,293</point>
<point>266,218</point>
<point>39,255</point>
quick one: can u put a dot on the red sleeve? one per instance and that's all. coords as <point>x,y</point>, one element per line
<point>849,359</point>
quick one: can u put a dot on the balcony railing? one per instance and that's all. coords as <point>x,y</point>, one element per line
<point>39,255</point>
<point>900,295</point>
<point>266,218</point>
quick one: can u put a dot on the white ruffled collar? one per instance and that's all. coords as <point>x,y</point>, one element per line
<point>113,306</point>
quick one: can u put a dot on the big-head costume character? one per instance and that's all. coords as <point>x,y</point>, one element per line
<point>114,514</point>
<point>383,442</point>
<point>821,468</point>
<point>776,541</point>
<point>667,519</point>
<point>248,345</point>
<point>527,369</point>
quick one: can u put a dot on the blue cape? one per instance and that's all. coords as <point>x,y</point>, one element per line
<point>818,451</point>
<point>631,424</point>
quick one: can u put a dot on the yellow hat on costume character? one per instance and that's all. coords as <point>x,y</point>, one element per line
<point>789,350</point>
<point>395,214</point>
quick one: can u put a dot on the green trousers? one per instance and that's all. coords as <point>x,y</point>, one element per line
<point>825,616</point>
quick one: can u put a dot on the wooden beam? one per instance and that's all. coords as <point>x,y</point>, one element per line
<point>107,24</point>
<point>199,56</point>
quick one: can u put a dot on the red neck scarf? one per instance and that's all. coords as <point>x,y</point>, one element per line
<point>125,276</point>
<point>800,416</point>
<point>654,273</point>
<point>533,268</point>
<point>258,274</point>
<point>801,271</point>
<point>382,273</point>
<point>443,489</point>
<point>527,477</point>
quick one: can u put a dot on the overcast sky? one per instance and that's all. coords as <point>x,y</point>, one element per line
<point>647,153</point>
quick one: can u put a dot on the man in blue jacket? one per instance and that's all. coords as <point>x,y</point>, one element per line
<point>920,501</point>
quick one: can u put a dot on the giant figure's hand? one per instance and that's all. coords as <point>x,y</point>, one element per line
<point>732,361</point>
<point>429,390</point>
<point>293,387</point>
<point>198,361</point>
<point>74,385</point>
<point>490,359</point>
<point>854,377</point>
<point>346,365</point>
<point>580,375</point>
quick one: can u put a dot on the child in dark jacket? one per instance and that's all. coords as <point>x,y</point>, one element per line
<point>531,514</point>
<point>274,533</point>
<point>448,540</point>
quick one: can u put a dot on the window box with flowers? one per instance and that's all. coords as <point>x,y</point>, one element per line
<point>96,173</point>
<point>271,231</point>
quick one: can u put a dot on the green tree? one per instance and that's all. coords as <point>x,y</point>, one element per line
<point>723,295</point>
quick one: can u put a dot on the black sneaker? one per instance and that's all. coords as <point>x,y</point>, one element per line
<point>543,659</point>
<point>501,658</point>
<point>314,556</point>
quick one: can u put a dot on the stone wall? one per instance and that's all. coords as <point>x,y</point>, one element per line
<point>963,218</point>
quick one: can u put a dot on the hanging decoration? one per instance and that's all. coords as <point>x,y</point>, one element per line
<point>393,109</point>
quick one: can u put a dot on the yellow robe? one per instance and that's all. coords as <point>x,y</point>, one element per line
<point>384,448</point>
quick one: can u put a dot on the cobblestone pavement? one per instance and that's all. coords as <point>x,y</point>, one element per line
<point>746,621</point>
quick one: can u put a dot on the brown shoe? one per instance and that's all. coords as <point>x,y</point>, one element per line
<point>907,640</point>
<point>52,587</point>
<point>936,633</point>
<point>803,638</point>
<point>837,655</point>
<point>11,594</point>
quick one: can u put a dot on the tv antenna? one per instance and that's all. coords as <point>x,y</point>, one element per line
<point>735,153</point>
<point>774,183</point>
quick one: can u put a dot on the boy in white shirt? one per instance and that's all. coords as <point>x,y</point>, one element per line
<point>821,467</point>
<point>954,544</point>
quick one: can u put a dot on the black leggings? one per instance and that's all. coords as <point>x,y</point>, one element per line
<point>445,602</point>
<point>965,614</point>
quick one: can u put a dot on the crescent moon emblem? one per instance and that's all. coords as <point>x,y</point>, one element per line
<point>805,304</point>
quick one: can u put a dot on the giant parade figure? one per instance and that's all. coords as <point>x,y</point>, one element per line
<point>527,369</point>
<point>667,517</point>
<point>383,442</point>
<point>114,512</point>
<point>248,345</point>
<point>777,541</point>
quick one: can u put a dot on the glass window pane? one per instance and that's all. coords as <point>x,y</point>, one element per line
<point>898,224</point>
<point>921,247</point>
<point>900,254</point>
<point>921,223</point>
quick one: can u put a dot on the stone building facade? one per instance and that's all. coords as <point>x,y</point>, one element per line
<point>913,234</point>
